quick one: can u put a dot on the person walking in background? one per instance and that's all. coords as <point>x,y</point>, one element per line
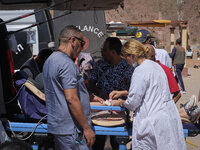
<point>67,98</point>
<point>178,60</point>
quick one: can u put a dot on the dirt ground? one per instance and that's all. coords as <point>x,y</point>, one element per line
<point>192,86</point>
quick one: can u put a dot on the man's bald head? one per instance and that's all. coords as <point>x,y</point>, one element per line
<point>151,54</point>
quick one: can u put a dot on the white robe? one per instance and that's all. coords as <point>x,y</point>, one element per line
<point>157,124</point>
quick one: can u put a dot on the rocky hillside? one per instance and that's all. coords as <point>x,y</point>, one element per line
<point>143,10</point>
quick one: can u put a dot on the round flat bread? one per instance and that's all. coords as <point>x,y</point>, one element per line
<point>109,118</point>
<point>108,123</point>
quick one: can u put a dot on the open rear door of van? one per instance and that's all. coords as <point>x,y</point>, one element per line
<point>7,90</point>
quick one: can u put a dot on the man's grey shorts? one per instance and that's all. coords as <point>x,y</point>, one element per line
<point>70,142</point>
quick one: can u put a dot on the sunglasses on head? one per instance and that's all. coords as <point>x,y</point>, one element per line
<point>81,41</point>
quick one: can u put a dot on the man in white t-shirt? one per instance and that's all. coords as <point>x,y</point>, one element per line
<point>162,55</point>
